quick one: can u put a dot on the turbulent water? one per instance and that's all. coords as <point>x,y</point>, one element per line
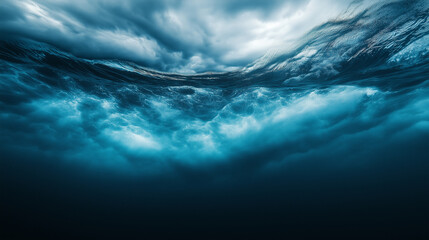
<point>351,96</point>
<point>348,79</point>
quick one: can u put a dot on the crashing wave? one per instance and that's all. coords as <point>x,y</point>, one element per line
<point>340,82</point>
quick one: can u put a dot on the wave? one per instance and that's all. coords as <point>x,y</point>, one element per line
<point>348,79</point>
<point>380,36</point>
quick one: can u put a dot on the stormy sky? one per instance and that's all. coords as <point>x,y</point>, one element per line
<point>175,36</point>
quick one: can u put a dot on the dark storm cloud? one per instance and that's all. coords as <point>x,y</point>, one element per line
<point>181,36</point>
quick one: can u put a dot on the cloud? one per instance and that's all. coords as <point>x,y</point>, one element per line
<point>189,36</point>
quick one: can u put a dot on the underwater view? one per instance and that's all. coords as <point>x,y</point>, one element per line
<point>159,134</point>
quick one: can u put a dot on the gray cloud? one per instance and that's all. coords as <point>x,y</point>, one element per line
<point>177,36</point>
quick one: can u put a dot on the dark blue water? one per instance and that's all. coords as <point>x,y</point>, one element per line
<point>328,138</point>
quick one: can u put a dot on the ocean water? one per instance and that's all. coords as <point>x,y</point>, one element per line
<point>328,137</point>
